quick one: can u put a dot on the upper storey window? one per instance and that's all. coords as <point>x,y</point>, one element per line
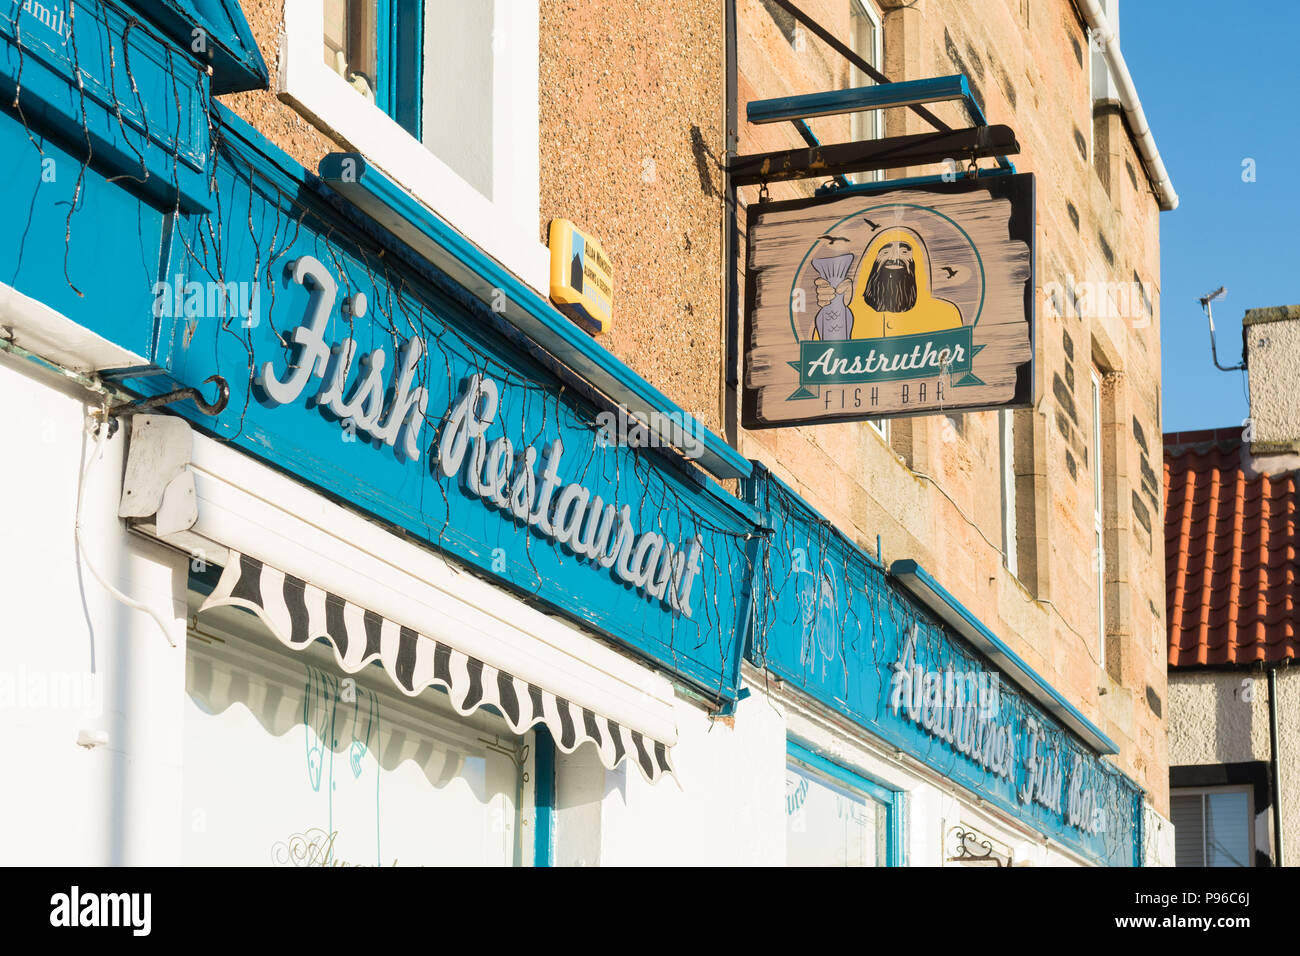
<point>439,94</point>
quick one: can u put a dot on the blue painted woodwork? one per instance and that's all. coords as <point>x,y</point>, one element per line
<point>931,593</point>
<point>94,260</point>
<point>830,620</point>
<point>140,111</point>
<point>400,83</point>
<point>396,210</point>
<point>799,109</point>
<point>544,802</point>
<point>893,800</point>
<point>215,32</point>
<point>862,98</point>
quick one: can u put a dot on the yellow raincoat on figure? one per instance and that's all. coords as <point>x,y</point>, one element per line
<point>881,302</point>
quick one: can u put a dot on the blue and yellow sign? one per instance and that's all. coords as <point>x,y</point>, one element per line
<point>582,279</point>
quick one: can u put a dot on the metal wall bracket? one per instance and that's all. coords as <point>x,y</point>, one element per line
<point>169,398</point>
<point>917,149</point>
<point>977,142</point>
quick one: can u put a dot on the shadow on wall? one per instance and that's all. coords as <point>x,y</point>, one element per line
<point>1234,716</point>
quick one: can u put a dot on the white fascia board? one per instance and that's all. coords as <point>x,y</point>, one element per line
<point>54,337</point>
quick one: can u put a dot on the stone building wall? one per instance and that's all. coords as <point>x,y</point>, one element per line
<point>933,490</point>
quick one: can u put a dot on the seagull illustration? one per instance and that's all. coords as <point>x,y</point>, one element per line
<point>870,223</point>
<point>833,239</point>
<point>950,270</point>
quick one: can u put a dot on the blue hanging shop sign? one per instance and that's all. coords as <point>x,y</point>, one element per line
<point>831,622</point>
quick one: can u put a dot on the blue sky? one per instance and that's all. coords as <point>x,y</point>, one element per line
<point>1219,84</point>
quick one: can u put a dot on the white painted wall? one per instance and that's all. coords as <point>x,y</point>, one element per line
<point>1158,839</point>
<point>726,806</point>
<point>119,803</point>
<point>1218,717</point>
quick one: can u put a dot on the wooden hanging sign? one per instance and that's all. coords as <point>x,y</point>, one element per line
<point>909,301</point>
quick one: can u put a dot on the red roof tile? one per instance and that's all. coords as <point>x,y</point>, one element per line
<point>1231,593</point>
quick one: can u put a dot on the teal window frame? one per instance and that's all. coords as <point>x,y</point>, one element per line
<point>893,799</point>
<point>399,56</point>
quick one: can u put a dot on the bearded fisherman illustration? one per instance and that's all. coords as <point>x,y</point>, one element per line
<point>890,295</point>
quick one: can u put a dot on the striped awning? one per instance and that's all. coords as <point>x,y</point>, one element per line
<point>299,613</point>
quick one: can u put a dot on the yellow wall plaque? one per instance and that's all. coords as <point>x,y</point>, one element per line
<point>582,279</point>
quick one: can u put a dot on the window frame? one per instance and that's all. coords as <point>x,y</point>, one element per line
<point>1007,447</point>
<point>505,226</point>
<point>1202,793</point>
<point>873,121</point>
<point>893,800</point>
<point>1098,515</point>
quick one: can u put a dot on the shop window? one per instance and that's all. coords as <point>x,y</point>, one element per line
<point>442,96</point>
<point>1212,826</point>
<point>837,817</point>
<point>290,761</point>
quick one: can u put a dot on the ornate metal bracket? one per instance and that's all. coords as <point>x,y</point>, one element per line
<point>972,848</point>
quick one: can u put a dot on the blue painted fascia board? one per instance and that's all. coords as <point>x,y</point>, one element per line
<point>353,177</point>
<point>290,177</point>
<point>148,127</point>
<point>859,99</point>
<point>228,44</point>
<point>752,487</point>
<point>931,593</point>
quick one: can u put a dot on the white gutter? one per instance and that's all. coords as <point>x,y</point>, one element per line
<point>1128,97</point>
